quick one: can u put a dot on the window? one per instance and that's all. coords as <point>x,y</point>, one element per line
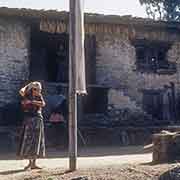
<point>152,56</point>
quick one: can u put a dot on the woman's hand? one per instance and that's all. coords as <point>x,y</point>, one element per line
<point>38,103</point>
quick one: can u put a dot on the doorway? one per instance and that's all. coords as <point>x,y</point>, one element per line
<point>49,56</point>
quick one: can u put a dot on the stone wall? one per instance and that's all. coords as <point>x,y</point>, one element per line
<point>116,68</point>
<point>115,62</point>
<point>14,58</point>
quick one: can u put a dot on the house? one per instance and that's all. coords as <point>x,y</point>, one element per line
<point>132,64</point>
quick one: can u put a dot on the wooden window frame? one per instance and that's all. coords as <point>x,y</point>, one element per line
<point>152,50</point>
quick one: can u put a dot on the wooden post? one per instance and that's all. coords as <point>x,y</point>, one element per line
<point>72,91</point>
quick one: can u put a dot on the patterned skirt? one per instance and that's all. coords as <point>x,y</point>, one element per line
<point>32,139</point>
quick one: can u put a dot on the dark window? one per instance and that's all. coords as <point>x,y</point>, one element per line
<point>152,56</point>
<point>96,101</point>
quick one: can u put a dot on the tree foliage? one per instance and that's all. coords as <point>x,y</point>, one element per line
<point>162,9</point>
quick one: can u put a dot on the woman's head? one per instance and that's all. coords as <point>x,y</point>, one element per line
<point>33,88</point>
<point>36,89</point>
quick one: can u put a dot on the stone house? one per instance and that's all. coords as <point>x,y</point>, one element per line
<point>133,64</point>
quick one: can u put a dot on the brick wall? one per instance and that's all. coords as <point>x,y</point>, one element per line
<point>14,58</point>
<point>115,66</point>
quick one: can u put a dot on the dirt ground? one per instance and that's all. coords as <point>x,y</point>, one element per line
<point>101,163</point>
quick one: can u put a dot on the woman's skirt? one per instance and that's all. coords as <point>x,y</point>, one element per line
<point>32,139</point>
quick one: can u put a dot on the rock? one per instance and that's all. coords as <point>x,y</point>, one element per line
<point>173,174</point>
<point>80,178</point>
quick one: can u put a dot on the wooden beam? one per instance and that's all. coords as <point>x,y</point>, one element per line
<point>72,91</point>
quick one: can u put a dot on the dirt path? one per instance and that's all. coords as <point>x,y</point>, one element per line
<point>88,158</point>
<point>91,162</point>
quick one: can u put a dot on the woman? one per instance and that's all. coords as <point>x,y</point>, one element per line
<point>32,144</point>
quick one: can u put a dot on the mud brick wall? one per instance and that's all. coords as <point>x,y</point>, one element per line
<point>14,58</point>
<point>116,68</point>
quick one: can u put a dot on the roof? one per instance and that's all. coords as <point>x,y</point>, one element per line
<point>89,18</point>
<point>33,14</point>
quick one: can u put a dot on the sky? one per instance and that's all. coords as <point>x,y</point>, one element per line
<point>118,7</point>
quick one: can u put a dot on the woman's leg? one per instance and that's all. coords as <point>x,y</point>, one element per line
<point>29,165</point>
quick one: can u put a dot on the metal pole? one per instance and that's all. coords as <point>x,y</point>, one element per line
<point>72,91</point>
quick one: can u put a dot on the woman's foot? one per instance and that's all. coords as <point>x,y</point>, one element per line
<point>34,166</point>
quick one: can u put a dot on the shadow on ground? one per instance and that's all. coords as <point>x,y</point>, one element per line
<point>13,172</point>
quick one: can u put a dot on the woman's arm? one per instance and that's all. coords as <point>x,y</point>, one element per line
<point>40,103</point>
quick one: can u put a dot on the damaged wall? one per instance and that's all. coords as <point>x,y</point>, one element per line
<point>115,59</point>
<point>116,68</point>
<point>14,58</point>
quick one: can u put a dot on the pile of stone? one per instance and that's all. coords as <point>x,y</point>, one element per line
<point>173,174</point>
<point>95,120</point>
<point>118,117</point>
<point>166,146</point>
<point>128,117</point>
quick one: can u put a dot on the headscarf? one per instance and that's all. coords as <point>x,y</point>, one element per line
<point>23,91</point>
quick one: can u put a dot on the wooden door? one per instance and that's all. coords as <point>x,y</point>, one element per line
<point>152,103</point>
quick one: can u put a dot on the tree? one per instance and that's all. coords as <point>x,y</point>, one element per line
<point>168,10</point>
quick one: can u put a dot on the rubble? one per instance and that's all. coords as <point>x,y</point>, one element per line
<point>117,118</point>
<point>173,174</point>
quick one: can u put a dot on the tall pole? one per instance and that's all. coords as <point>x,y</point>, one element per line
<point>72,91</point>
